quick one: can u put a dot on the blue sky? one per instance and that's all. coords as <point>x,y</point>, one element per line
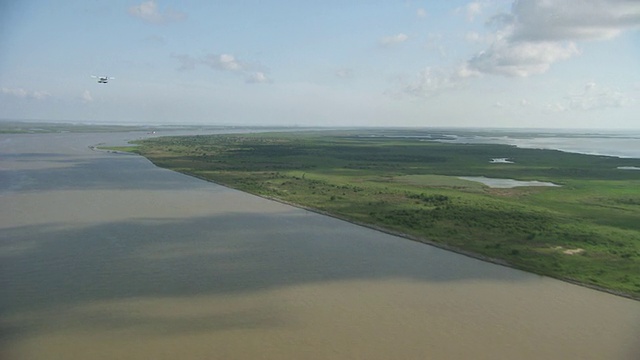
<point>493,63</point>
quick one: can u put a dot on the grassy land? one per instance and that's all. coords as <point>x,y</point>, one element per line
<point>587,230</point>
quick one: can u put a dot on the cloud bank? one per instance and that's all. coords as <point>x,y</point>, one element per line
<point>539,33</point>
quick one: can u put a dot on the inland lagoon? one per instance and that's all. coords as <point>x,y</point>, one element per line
<point>505,183</point>
<point>106,256</point>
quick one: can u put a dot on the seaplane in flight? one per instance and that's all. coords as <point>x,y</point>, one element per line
<point>102,79</point>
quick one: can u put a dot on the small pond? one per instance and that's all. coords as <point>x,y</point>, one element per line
<point>505,183</point>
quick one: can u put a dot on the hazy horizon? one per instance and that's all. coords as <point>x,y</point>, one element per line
<point>559,130</point>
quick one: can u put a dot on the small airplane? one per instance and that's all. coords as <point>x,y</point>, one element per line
<point>102,79</point>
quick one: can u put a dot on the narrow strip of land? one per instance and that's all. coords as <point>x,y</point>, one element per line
<point>586,230</point>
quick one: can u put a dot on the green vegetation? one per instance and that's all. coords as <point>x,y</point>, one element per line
<point>587,230</point>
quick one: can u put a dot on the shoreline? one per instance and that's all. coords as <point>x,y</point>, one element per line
<point>425,241</point>
<point>523,144</point>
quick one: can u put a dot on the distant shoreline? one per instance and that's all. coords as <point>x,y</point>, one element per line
<point>608,146</point>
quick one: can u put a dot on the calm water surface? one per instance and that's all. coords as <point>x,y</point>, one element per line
<point>505,183</point>
<point>624,144</point>
<point>105,256</point>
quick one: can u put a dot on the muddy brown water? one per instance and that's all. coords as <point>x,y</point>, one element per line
<point>105,256</point>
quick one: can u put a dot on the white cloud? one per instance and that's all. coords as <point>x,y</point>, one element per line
<point>149,12</point>
<point>431,82</point>
<point>258,77</point>
<point>25,94</point>
<point>521,58</point>
<point>421,13</point>
<point>539,33</point>
<point>224,62</point>
<point>393,39</point>
<point>594,97</point>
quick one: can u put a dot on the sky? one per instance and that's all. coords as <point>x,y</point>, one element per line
<point>493,63</point>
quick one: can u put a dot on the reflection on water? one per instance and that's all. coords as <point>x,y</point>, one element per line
<point>109,257</point>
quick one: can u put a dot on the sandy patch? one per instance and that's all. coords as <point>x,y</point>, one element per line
<point>573,251</point>
<point>501,161</point>
<point>569,251</point>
